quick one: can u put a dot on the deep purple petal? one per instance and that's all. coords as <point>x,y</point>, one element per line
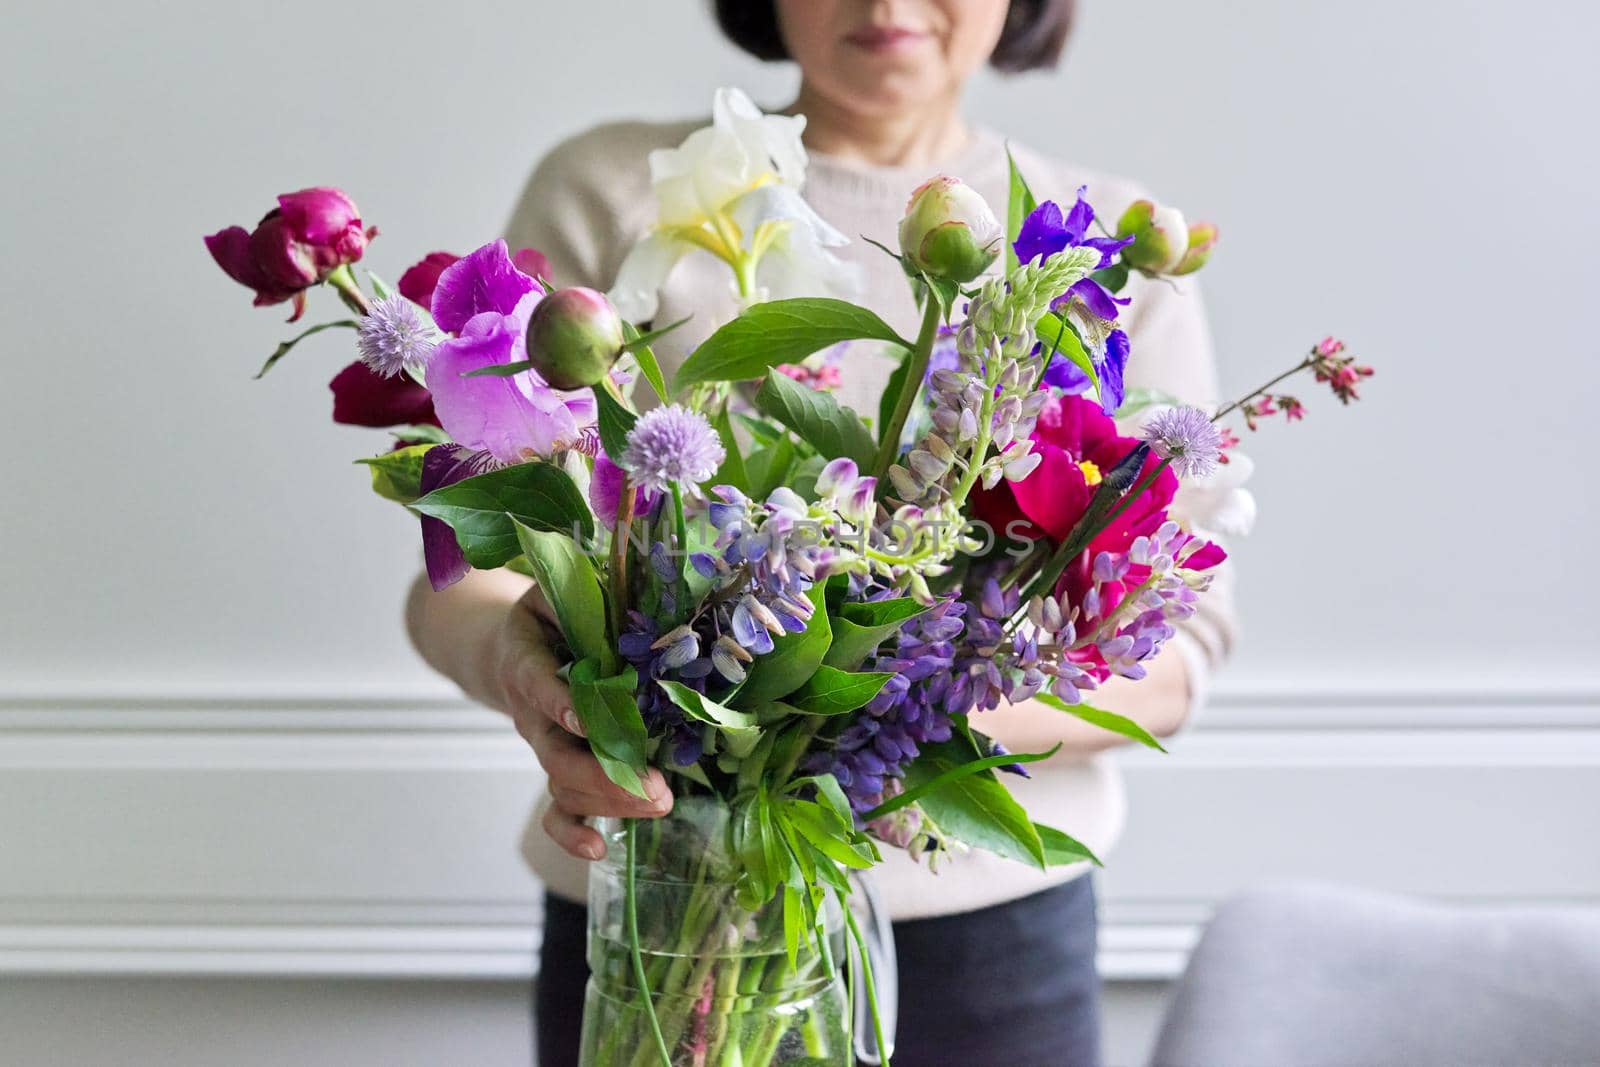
<point>485,280</point>
<point>445,465</point>
<point>1108,247</point>
<point>362,397</point>
<point>1097,298</point>
<point>1043,233</point>
<point>1110,369</point>
<point>1065,375</point>
<point>1079,218</point>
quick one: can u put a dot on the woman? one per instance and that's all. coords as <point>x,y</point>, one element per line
<point>997,961</point>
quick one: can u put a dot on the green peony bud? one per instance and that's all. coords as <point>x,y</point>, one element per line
<point>949,231</point>
<point>1202,239</point>
<point>574,336</point>
<point>1160,237</point>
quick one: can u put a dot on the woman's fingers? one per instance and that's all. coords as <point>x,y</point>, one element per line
<point>536,686</point>
<point>579,783</point>
<point>569,831</point>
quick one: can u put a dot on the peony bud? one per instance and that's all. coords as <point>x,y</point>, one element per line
<point>949,231</point>
<point>1160,237</point>
<point>1202,239</point>
<point>306,237</point>
<point>574,336</point>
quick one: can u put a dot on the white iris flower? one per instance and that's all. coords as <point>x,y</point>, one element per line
<point>733,189</point>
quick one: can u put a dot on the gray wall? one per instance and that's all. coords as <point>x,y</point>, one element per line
<point>218,755</point>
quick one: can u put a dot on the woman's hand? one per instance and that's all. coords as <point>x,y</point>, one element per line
<point>493,633</point>
<point>541,707</point>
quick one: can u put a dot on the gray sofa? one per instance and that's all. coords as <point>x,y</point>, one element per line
<point>1317,976</point>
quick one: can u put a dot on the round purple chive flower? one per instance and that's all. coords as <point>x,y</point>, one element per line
<point>393,338</point>
<point>671,444</point>
<point>1188,438</point>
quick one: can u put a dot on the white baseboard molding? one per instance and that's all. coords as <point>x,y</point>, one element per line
<point>276,833</point>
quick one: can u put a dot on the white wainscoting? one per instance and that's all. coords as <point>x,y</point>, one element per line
<point>372,835</point>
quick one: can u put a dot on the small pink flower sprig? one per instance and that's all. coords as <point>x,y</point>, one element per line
<point>1328,363</point>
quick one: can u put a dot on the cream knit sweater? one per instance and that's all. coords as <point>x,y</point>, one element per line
<point>590,200</point>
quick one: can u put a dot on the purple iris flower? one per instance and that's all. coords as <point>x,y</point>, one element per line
<point>446,465</point>
<point>486,301</point>
<point>1047,231</point>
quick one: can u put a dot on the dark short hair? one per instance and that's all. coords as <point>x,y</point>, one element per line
<point>1032,39</point>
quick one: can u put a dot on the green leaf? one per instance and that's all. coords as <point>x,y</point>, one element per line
<point>793,659</point>
<point>480,509</point>
<point>397,475</point>
<point>823,830</point>
<point>645,340</point>
<point>859,628</point>
<point>1106,720</point>
<point>1019,205</point>
<point>615,422</point>
<point>1113,277</point>
<point>421,434</point>
<point>1055,333</point>
<point>973,807</point>
<point>819,419</point>
<point>610,716</point>
<point>568,581</point>
<point>738,728</point>
<point>779,331</point>
<point>945,291</point>
<point>283,348</point>
<point>831,691</point>
<point>380,288</point>
<point>954,771</point>
<point>768,467</point>
<point>648,365</point>
<point>891,392</point>
<point>732,472</point>
<point>1061,849</point>
<point>794,919</point>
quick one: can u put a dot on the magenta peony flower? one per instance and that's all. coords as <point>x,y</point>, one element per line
<point>364,398</point>
<point>486,301</point>
<point>295,246</point>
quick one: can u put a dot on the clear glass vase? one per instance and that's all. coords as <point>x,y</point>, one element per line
<point>718,974</point>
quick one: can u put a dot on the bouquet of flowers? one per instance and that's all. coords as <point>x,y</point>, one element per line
<point>797,612</point>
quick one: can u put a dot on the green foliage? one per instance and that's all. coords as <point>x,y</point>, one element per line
<point>831,691</point>
<point>891,393</point>
<point>732,472</point>
<point>397,475</point>
<point>1114,277</point>
<point>421,434</point>
<point>483,509</point>
<point>568,581</point>
<point>645,340</point>
<point>817,418</point>
<point>646,357</point>
<point>738,729</point>
<point>1138,400</point>
<point>768,467</point>
<point>794,658</point>
<point>609,712</point>
<point>859,628</point>
<point>615,421</point>
<point>1106,720</point>
<point>1019,204</point>
<point>1058,335</point>
<point>776,332</point>
<point>963,797</point>
<point>284,347</point>
<point>1061,849</point>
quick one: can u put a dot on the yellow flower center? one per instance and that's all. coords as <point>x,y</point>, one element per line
<point>1091,473</point>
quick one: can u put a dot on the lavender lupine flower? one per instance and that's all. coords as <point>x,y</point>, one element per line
<point>1186,436</point>
<point>913,709</point>
<point>671,655</point>
<point>393,338</point>
<point>672,445</point>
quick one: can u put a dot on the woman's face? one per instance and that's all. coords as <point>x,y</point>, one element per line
<point>882,56</point>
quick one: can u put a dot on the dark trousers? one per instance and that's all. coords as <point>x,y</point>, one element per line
<point>1009,986</point>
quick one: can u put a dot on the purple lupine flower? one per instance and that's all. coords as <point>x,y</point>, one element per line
<point>1186,436</point>
<point>393,338</point>
<point>657,656</point>
<point>672,445</point>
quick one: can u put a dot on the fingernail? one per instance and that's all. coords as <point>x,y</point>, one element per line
<point>569,719</point>
<point>594,850</point>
